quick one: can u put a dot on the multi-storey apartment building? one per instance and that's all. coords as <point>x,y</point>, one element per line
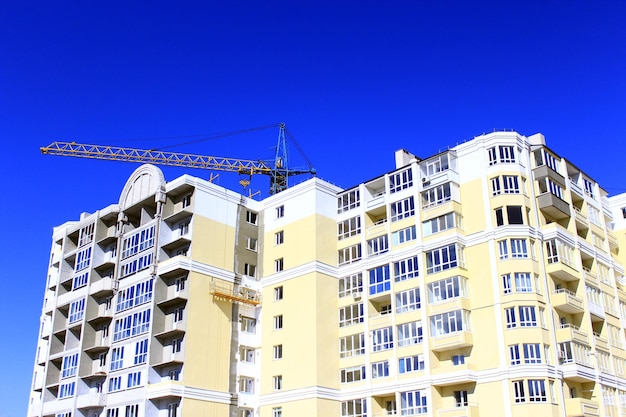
<point>483,281</point>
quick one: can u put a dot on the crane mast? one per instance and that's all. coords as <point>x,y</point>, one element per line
<point>279,173</point>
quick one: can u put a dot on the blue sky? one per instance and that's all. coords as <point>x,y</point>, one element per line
<point>353,81</point>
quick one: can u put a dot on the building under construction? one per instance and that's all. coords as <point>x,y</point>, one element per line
<point>487,280</point>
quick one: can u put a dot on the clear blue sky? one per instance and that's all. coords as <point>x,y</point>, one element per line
<point>353,80</point>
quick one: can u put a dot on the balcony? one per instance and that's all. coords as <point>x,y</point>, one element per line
<point>171,328</point>
<point>571,333</point>
<point>581,407</point>
<point>377,228</point>
<point>567,302</point>
<point>553,206</point>
<point>102,287</point>
<point>451,341</point>
<point>171,296</point>
<point>601,342</point>
<point>596,310</point>
<point>613,242</point>
<point>470,410</point>
<point>91,400</point>
<point>99,344</point>
<point>561,270</point>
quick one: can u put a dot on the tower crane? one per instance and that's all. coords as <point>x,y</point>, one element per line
<point>279,172</point>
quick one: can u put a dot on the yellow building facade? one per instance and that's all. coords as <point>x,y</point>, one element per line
<point>486,280</point>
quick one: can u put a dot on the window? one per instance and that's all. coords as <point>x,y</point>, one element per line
<point>413,402</point>
<point>558,251</point>
<point>277,412</point>
<point>380,369</point>
<point>382,339</point>
<point>246,385</point>
<point>186,201</point>
<point>246,412</point>
<point>141,352</point>
<point>137,264</point>
<point>400,181</point>
<point>408,300</point>
<point>246,354</point>
<point>350,284</point>
<point>278,351</point>
<point>406,269</point>
<point>450,322</point>
<point>180,283</point>
<point>352,345</point>
<point>411,364</point>
<point>183,228</point>
<point>446,289</point>
<point>436,196</point>
<point>518,391</point>
<point>513,215</point>
<point>138,241</point>
<point>588,187</point>
<point>132,410</point>
<point>377,245</point>
<point>458,360</point>
<point>278,293</point>
<point>113,412</point>
<point>348,228</point>
<point>537,390</point>
<point>410,333</point>
<point>83,259</point>
<point>277,382</point>
<point>403,235</point>
<point>353,374</point>
<point>115,384</point>
<point>135,295</point>
<point>132,325</point>
<point>80,280</point>
<point>441,223</point>
<point>250,270</point>
<point>252,217</point>
<point>380,280</point>
<point>117,358</point>
<point>280,212</point>
<point>352,314</point>
<point>349,254</point>
<point>438,164</point>
<point>510,317</point>
<point>178,314</point>
<point>69,365</point>
<point>532,353</point>
<point>594,215</point>
<point>172,410</point>
<point>527,316</point>
<point>251,243</point>
<point>67,390</point>
<point>402,209</point>
<point>522,282</point>
<point>460,397</point>
<point>279,264</point>
<point>514,355</point>
<point>278,322</point>
<point>77,311</point>
<point>519,248</point>
<point>503,249</point>
<point>134,379</point>
<point>443,258</point>
<point>496,189</point>
<point>177,345</point>
<point>348,201</point>
<point>501,154</point>
<point>511,184</point>
<point>86,235</point>
<point>354,408</point>
<point>248,324</point>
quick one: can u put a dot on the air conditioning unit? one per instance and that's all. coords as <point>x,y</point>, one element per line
<point>357,295</point>
<point>425,181</point>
